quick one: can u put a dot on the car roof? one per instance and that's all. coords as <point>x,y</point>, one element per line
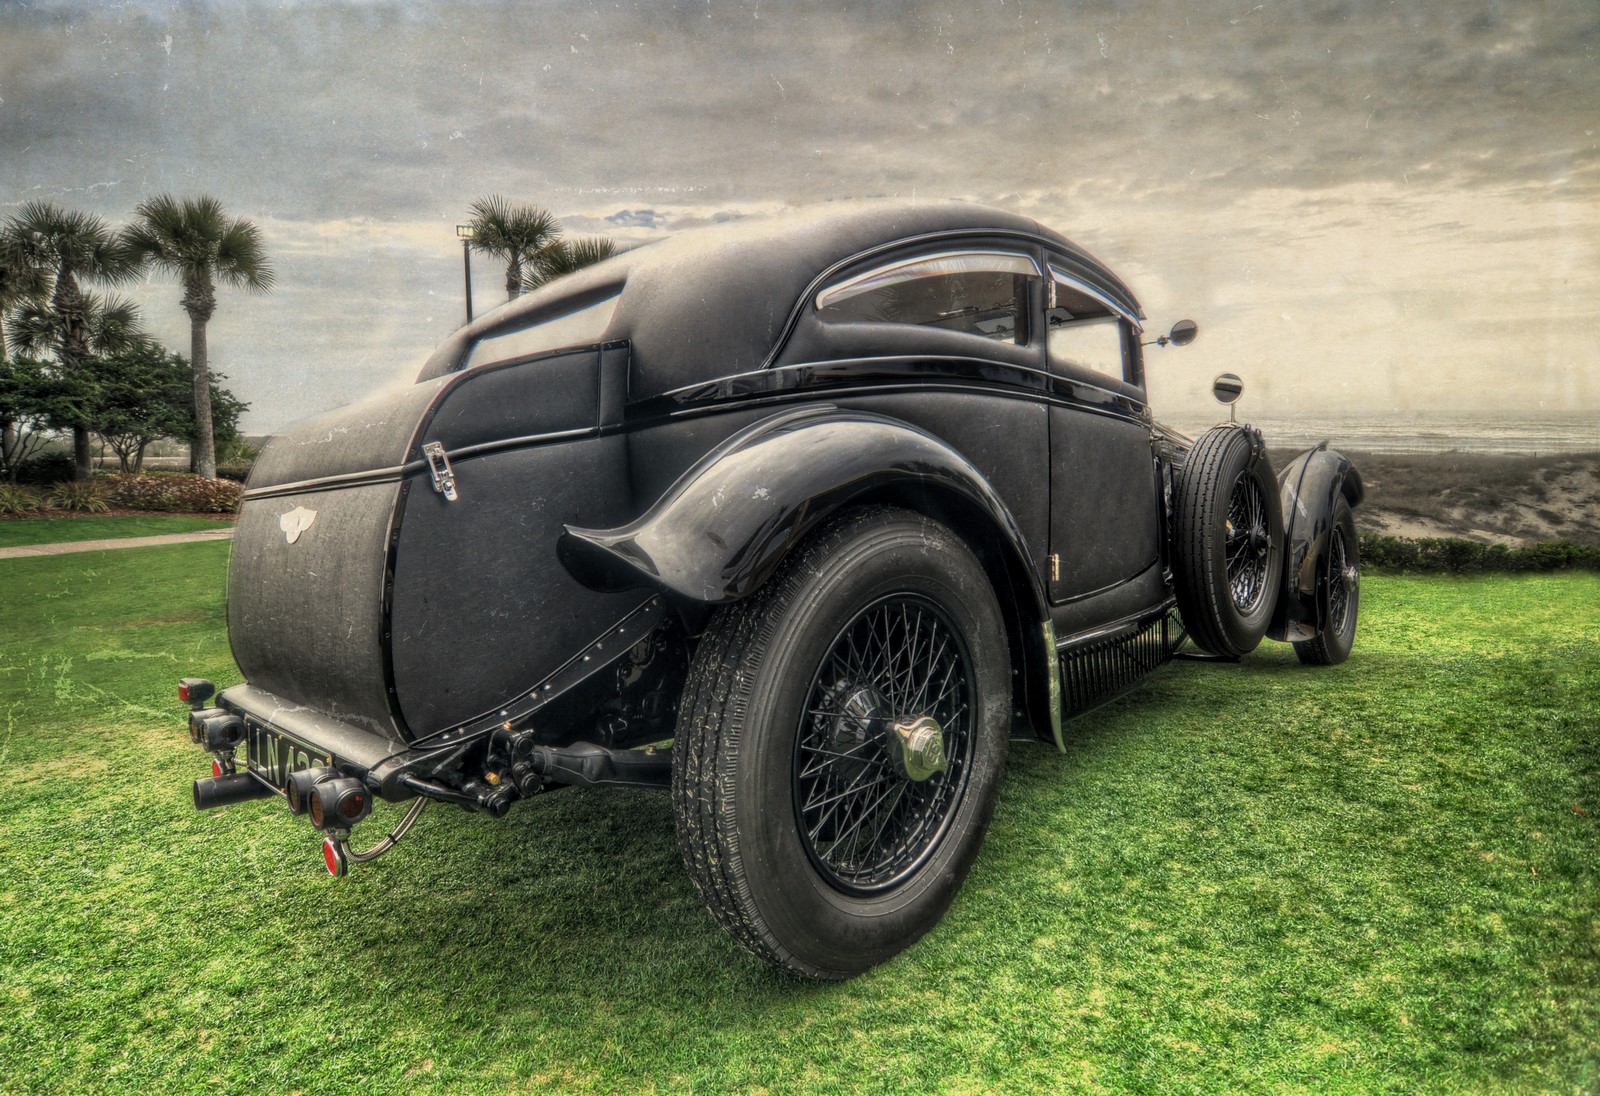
<point>717,300</point>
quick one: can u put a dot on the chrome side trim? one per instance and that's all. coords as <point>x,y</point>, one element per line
<point>1065,278</point>
<point>1127,625</point>
<point>399,472</point>
<point>963,261</point>
<point>330,483</point>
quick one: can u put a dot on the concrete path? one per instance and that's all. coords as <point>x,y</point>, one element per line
<point>63,547</point>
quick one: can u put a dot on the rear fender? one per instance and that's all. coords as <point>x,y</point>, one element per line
<point>1309,486</point>
<point>728,523</point>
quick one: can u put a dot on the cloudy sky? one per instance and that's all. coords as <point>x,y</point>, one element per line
<point>1366,205</point>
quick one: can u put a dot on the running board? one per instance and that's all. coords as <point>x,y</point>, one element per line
<point>1100,666</point>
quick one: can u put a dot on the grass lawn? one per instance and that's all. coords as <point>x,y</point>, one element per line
<point>28,531</point>
<point>1383,876</point>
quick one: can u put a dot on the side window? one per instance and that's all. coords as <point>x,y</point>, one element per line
<point>983,293</point>
<point>1082,331</point>
<point>576,328</point>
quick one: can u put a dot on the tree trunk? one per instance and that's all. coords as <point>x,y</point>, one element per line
<point>513,278</point>
<point>67,301</point>
<point>8,428</point>
<point>82,459</point>
<point>138,459</point>
<point>203,454</point>
<point>200,302</point>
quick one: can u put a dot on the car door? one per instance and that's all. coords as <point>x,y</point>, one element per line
<point>1104,504</point>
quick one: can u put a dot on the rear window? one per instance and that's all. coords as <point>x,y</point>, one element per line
<point>579,327</point>
<point>982,293</point>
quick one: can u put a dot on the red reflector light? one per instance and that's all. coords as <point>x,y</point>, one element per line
<point>216,768</point>
<point>183,691</point>
<point>333,857</point>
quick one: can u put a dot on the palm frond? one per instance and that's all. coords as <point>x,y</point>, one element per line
<point>565,256</point>
<point>115,324</point>
<point>20,281</point>
<point>193,239</point>
<point>50,238</point>
<point>511,232</point>
<point>34,329</point>
<point>241,258</point>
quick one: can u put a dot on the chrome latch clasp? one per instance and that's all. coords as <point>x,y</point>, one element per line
<point>444,477</point>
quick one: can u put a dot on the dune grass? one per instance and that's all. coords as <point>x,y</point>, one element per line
<point>18,532</point>
<point>1256,877</point>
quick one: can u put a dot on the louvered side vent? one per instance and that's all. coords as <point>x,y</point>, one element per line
<point>1103,669</point>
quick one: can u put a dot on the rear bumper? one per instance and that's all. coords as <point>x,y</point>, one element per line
<point>353,750</point>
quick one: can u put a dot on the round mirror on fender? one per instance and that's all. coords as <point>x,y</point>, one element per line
<point>1183,333</point>
<point>1227,387</point>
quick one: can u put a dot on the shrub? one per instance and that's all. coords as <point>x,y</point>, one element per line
<point>47,468</point>
<point>85,498</point>
<point>173,492</point>
<point>1452,555</point>
<point>18,500</point>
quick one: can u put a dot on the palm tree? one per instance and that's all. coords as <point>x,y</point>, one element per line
<point>520,235</point>
<point>195,240</point>
<point>62,246</point>
<point>565,256</point>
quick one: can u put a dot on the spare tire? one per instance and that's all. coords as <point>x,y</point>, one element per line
<point>1227,541</point>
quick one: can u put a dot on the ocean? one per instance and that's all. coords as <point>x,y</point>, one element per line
<point>1424,432</point>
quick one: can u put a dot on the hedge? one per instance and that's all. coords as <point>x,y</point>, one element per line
<point>1451,555</point>
<point>178,492</point>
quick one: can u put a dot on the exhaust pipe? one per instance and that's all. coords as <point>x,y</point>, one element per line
<point>224,791</point>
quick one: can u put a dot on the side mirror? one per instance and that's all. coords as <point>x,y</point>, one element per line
<point>1182,334</point>
<point>1227,388</point>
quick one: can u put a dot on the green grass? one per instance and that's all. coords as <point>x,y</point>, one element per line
<point>1258,877</point>
<point>29,531</point>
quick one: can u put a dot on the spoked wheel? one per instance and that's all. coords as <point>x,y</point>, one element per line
<point>1340,592</point>
<point>1247,544</point>
<point>882,758</point>
<point>1227,542</point>
<point>841,742</point>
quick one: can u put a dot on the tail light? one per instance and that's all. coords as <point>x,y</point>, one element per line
<point>195,691</point>
<point>216,729</point>
<point>333,855</point>
<point>339,804</point>
<point>197,721</point>
<point>301,782</point>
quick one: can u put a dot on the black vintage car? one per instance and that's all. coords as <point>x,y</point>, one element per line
<point>799,520</point>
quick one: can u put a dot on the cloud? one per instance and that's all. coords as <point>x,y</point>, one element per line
<point>1195,146</point>
<point>635,218</point>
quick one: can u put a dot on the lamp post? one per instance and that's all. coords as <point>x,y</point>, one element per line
<point>466,234</point>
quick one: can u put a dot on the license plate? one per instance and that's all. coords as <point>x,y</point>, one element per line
<point>272,755</point>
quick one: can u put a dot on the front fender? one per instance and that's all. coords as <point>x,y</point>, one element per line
<point>722,529</point>
<point>1308,488</point>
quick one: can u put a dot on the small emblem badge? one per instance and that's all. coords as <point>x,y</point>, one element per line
<point>295,522</point>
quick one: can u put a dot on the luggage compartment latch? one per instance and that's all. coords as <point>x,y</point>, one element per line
<point>444,477</point>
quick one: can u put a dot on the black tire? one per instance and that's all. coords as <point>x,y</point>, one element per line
<point>788,704</point>
<point>1338,593</point>
<point>1227,542</point>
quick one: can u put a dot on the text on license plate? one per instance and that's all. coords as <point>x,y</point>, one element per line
<point>273,757</point>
